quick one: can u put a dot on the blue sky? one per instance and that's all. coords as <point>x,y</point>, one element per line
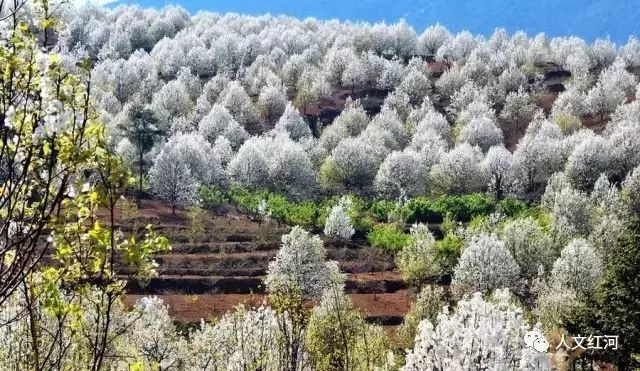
<point>616,19</point>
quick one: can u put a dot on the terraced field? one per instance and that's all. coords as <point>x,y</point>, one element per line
<point>205,279</point>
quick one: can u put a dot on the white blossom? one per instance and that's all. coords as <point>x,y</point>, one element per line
<point>292,123</point>
<point>579,267</point>
<point>300,264</point>
<point>486,264</point>
<point>479,334</point>
<point>338,222</point>
<point>481,132</point>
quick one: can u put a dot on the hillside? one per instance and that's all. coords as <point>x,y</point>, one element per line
<point>207,279</point>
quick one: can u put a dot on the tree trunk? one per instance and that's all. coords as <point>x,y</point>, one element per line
<point>499,191</point>
<point>140,171</point>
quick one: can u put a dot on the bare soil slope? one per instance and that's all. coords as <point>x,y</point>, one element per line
<point>204,280</point>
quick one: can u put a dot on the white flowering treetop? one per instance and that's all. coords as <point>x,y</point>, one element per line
<point>402,173</point>
<point>350,123</point>
<point>235,99</point>
<point>459,171</point>
<point>154,335</point>
<point>631,189</point>
<point>293,124</point>
<point>338,223</point>
<point>579,267</point>
<point>432,38</point>
<point>589,159</point>
<point>418,261</point>
<point>272,102</point>
<point>275,162</point>
<point>171,179</point>
<point>498,163</point>
<point>479,335</point>
<point>416,85</point>
<point>530,246</point>
<point>486,264</point>
<point>481,132</point>
<point>244,339</point>
<point>198,154</point>
<point>300,265</point>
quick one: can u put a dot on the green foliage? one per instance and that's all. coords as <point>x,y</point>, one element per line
<point>382,209</point>
<point>212,198</point>
<point>617,303</point>
<point>328,176</point>
<point>141,129</point>
<point>428,305</point>
<point>388,237</point>
<point>514,208</point>
<point>421,210</point>
<point>196,230</point>
<point>304,214</point>
<point>244,198</point>
<point>459,207</point>
<point>568,123</point>
<point>278,205</point>
<point>418,261</point>
<point>511,207</point>
<point>448,252</point>
<point>464,208</point>
<point>339,339</point>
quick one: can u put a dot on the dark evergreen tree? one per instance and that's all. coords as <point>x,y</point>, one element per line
<point>142,131</point>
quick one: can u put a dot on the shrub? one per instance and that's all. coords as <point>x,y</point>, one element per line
<point>359,220</point>
<point>464,208</point>
<point>417,261</point>
<point>381,210</point>
<point>448,252</point>
<point>244,198</point>
<point>428,305</point>
<point>511,207</point>
<point>279,206</point>
<point>388,237</point>
<point>212,198</point>
<point>421,210</point>
<point>197,229</point>
<point>303,214</point>
<point>338,223</point>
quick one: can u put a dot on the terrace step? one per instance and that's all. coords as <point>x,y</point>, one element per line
<point>384,309</point>
<point>357,283</point>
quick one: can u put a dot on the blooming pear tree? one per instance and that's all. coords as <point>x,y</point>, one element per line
<point>479,333</point>
<point>338,223</point>
<point>293,124</point>
<point>481,132</point>
<point>486,264</point>
<point>418,261</point>
<point>301,265</point>
<point>272,102</point>
<point>171,180</point>
<point>579,267</point>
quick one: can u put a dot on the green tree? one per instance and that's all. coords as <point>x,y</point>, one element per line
<point>47,138</point>
<point>142,130</point>
<point>618,298</point>
<point>57,172</point>
<point>339,339</point>
<point>197,228</point>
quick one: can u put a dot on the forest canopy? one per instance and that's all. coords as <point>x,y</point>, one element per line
<point>499,174</point>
